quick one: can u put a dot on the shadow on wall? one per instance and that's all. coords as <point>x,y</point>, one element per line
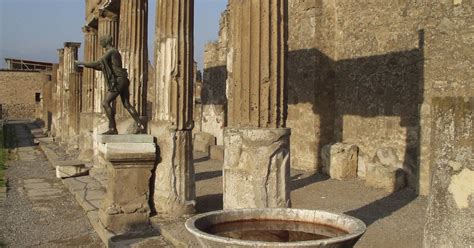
<point>377,86</point>
<point>214,86</point>
<point>388,85</point>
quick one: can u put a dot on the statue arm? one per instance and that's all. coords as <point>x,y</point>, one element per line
<point>94,64</point>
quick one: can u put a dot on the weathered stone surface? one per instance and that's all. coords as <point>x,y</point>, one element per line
<point>172,105</point>
<point>66,169</point>
<point>340,160</point>
<point>126,208</point>
<point>451,202</point>
<point>17,96</point>
<point>202,142</point>
<point>213,95</point>
<point>125,138</point>
<point>256,168</point>
<point>388,178</point>
<point>175,190</point>
<point>256,64</point>
<point>216,152</point>
<point>133,46</point>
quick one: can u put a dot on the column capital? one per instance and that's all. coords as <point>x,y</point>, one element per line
<point>108,15</point>
<point>89,30</point>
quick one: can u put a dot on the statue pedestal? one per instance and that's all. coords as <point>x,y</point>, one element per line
<point>256,168</point>
<point>130,162</point>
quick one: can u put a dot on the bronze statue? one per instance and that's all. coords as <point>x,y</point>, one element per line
<point>117,83</point>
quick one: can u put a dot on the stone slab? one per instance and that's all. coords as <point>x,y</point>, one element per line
<point>125,138</point>
<point>174,231</point>
<point>134,152</point>
<point>66,169</point>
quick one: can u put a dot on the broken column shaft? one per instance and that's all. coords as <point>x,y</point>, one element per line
<point>257,154</point>
<point>172,118</point>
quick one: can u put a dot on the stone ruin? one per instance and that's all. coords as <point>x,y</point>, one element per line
<point>365,91</point>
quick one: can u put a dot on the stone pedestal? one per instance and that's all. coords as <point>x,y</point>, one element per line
<point>257,168</point>
<point>175,190</point>
<point>126,205</point>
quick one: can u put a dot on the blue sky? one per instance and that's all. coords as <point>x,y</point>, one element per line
<point>35,29</point>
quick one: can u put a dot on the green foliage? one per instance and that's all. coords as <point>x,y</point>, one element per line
<point>7,140</point>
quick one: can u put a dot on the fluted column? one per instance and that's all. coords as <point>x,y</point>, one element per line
<point>59,94</point>
<point>132,45</point>
<point>71,50</point>
<point>90,50</point>
<point>257,66</point>
<point>108,24</point>
<point>257,146</point>
<point>174,185</point>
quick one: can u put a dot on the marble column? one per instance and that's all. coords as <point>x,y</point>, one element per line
<point>133,47</point>
<point>256,163</point>
<point>173,115</point>
<point>90,50</point>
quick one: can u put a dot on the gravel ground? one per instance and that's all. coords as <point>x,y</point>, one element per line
<point>38,210</point>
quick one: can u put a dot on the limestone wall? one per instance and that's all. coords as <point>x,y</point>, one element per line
<point>364,72</point>
<point>18,94</point>
<point>310,80</point>
<point>390,56</point>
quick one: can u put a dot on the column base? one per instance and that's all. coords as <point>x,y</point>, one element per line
<point>256,168</point>
<point>175,190</point>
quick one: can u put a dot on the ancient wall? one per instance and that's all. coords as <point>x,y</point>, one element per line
<point>18,94</point>
<point>379,71</point>
<point>382,52</point>
<point>213,92</point>
<point>364,73</point>
<point>310,80</point>
<point>449,59</point>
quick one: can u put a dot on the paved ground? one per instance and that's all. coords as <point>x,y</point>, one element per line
<point>38,210</point>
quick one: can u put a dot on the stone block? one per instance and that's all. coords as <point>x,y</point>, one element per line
<point>66,169</point>
<point>340,160</point>
<point>125,138</point>
<point>216,152</point>
<point>126,151</point>
<point>202,141</point>
<point>388,178</point>
<point>256,168</point>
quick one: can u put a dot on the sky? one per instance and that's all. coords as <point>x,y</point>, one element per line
<point>35,29</point>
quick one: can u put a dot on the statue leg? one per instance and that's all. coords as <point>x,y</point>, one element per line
<point>109,111</point>
<point>125,97</point>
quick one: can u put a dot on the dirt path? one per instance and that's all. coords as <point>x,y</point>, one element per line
<point>38,210</point>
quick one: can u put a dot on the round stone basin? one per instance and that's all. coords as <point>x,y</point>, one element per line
<point>275,227</point>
